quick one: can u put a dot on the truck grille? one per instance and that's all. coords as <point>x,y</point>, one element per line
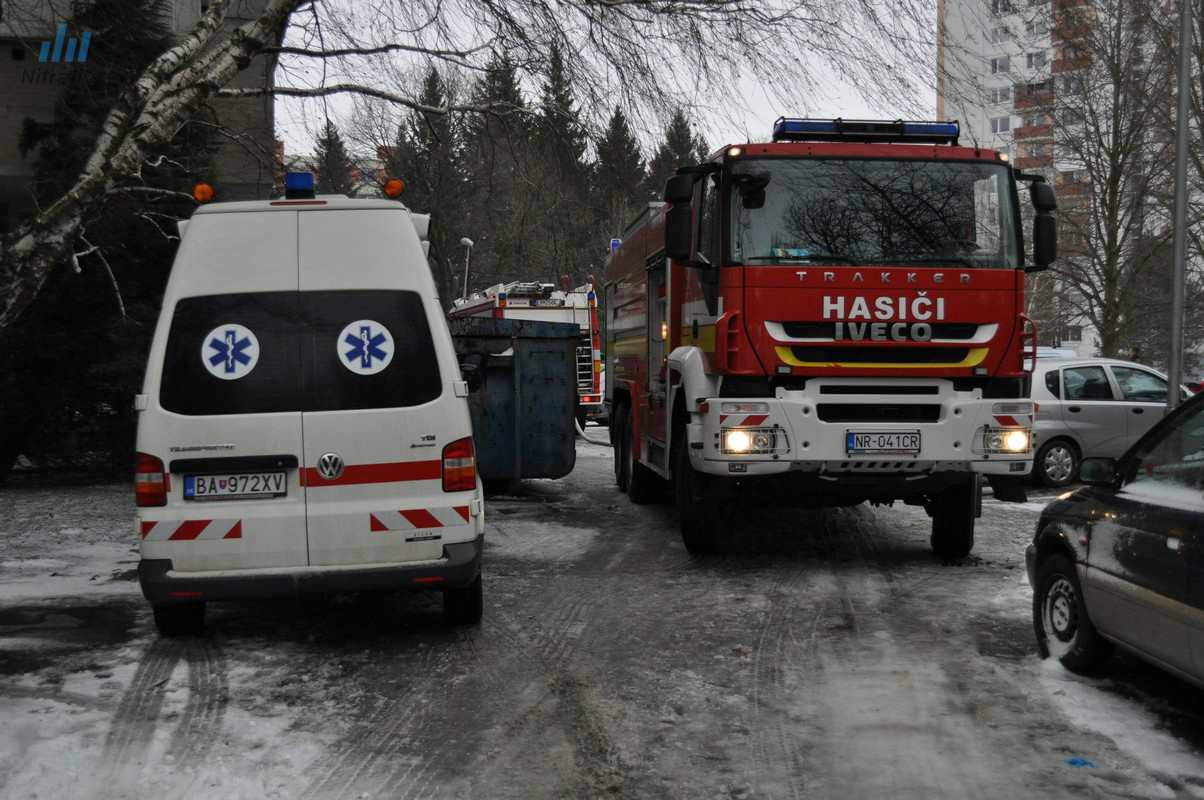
<point>878,412</point>
<point>827,330</point>
<point>830,354</point>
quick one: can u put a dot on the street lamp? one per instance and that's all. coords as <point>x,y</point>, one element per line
<point>467,253</point>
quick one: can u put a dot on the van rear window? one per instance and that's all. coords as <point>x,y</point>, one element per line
<point>269,352</point>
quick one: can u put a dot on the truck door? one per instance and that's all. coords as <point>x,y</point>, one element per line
<point>658,352</point>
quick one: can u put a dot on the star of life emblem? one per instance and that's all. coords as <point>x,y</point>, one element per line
<point>230,351</point>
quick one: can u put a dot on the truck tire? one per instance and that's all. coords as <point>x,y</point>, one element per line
<point>953,513</point>
<point>617,433</point>
<point>643,485</point>
<point>698,510</point>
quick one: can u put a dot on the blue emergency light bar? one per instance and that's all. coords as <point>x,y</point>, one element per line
<point>862,130</point>
<point>299,186</point>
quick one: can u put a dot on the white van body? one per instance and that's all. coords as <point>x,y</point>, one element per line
<point>304,404</point>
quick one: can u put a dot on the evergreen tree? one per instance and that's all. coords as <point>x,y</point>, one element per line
<point>619,177</point>
<point>429,158</point>
<point>679,148</point>
<point>332,163</point>
<point>499,158</point>
<point>76,356</point>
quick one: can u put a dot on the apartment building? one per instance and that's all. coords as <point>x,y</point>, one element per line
<point>244,166</point>
<point>998,63</point>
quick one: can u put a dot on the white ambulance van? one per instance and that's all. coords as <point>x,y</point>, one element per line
<point>303,426</point>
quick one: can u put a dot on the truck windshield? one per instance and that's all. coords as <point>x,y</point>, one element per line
<point>873,212</point>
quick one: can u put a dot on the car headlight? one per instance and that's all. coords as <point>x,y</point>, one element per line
<point>737,441</point>
<point>753,441</point>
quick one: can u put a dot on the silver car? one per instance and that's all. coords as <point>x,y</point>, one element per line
<point>1090,407</point>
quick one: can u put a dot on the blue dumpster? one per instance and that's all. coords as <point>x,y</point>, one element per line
<point>523,412</point>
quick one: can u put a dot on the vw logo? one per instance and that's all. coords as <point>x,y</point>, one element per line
<point>330,466</point>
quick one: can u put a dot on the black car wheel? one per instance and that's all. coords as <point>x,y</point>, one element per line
<point>464,605</point>
<point>699,505</point>
<point>1056,463</point>
<point>179,619</point>
<point>1060,619</point>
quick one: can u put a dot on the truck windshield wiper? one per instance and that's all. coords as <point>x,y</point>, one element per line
<point>810,258</point>
<point>932,260</point>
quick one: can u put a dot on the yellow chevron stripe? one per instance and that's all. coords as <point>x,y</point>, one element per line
<point>973,358</point>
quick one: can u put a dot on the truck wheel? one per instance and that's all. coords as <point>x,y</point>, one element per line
<point>643,484</point>
<point>617,434</point>
<point>697,508</point>
<point>179,619</point>
<point>953,513</point>
<point>1060,619</point>
<point>465,605</point>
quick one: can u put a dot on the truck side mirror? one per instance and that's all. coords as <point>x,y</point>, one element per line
<point>1045,229</point>
<point>679,189</point>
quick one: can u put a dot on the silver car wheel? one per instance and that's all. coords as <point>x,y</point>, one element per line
<point>1058,463</point>
<point>1059,611</point>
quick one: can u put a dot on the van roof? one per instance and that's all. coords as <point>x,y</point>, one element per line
<point>323,202</point>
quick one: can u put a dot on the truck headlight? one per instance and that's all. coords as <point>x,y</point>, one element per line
<point>1012,441</point>
<point>737,441</point>
<point>753,441</point>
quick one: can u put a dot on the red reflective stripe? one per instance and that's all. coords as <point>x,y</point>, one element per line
<point>376,473</point>
<point>147,527</point>
<point>235,532</point>
<point>462,511</point>
<point>376,524</point>
<point>421,518</point>
<point>189,529</point>
<point>756,419</point>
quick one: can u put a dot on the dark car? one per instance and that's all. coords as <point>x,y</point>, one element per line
<point>1121,560</point>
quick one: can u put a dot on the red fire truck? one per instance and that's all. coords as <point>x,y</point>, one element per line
<point>544,302</point>
<point>832,317</point>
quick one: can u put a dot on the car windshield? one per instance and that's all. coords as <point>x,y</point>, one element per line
<point>1173,458</point>
<point>873,212</point>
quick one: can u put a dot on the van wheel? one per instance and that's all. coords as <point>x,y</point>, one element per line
<point>1056,463</point>
<point>1060,619</point>
<point>953,513</point>
<point>642,483</point>
<point>179,619</point>
<point>617,432</point>
<point>464,605</point>
<point>698,506</point>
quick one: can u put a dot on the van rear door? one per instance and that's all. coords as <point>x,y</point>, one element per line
<point>374,429</point>
<point>227,423</point>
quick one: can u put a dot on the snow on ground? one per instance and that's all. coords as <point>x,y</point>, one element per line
<point>63,549</point>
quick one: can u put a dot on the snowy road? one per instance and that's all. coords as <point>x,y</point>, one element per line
<point>831,656</point>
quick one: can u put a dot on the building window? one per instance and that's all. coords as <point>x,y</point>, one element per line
<point>1035,60</point>
<point>1036,88</point>
<point>1072,116</point>
<point>1072,333</point>
<point>1001,124</point>
<point>1074,51</point>
<point>1002,6</point>
<point>1034,119</point>
<point>1001,94</point>
<point>1038,26</point>
<point>1000,64</point>
<point>1036,149</point>
<point>1074,176</point>
<point>1000,34</point>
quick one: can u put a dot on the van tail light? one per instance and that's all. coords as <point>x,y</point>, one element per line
<point>459,466</point>
<point>150,481</point>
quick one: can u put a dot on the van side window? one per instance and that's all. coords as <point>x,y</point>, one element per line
<point>297,361</point>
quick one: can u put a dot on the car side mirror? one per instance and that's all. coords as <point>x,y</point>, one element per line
<point>1098,471</point>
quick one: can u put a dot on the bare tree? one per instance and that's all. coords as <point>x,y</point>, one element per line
<point>653,54</point>
<point>1100,129</point>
